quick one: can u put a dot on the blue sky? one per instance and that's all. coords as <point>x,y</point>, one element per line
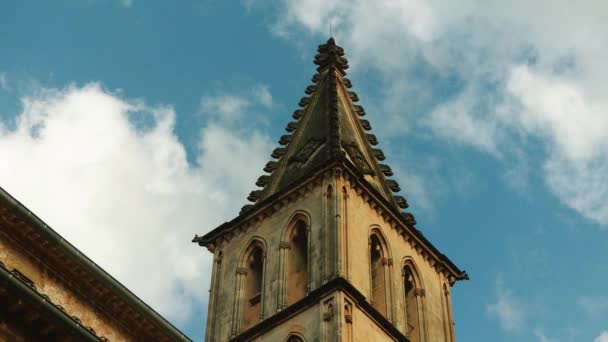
<point>149,121</point>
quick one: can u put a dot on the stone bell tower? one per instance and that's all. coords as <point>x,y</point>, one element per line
<point>324,253</point>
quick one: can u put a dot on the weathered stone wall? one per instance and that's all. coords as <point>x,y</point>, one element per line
<point>340,225</point>
<point>270,232</point>
<point>361,219</point>
<point>47,282</point>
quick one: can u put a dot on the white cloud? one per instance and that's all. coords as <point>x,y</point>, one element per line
<point>602,338</point>
<point>507,309</point>
<point>125,196</point>
<point>514,81</point>
<point>233,106</point>
<point>263,95</point>
<point>229,107</point>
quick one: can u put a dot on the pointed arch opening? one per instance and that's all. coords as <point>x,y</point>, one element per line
<point>253,284</point>
<point>295,337</point>
<point>297,262</point>
<point>377,273</point>
<point>414,293</point>
<point>380,273</point>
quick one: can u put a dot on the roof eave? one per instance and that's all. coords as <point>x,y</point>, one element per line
<point>105,278</point>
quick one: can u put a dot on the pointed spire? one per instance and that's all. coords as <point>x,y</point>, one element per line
<point>328,128</point>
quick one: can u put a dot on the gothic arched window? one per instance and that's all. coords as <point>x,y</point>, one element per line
<point>297,263</point>
<point>412,305</point>
<point>254,280</point>
<point>294,338</point>
<point>378,274</point>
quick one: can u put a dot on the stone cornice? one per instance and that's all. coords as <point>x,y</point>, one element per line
<point>314,297</point>
<point>363,188</point>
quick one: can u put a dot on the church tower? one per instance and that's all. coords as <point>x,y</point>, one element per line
<point>325,253</point>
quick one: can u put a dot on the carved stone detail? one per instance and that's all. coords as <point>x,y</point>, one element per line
<point>365,124</point>
<point>419,292</point>
<point>291,126</point>
<point>306,151</point>
<point>263,180</point>
<point>254,196</point>
<point>353,96</point>
<point>310,89</point>
<point>372,139</point>
<point>401,202</point>
<point>359,110</point>
<point>393,185</point>
<point>297,114</point>
<point>283,245</point>
<point>385,169</point>
<point>278,152</point>
<point>347,83</point>
<point>304,101</point>
<point>409,219</point>
<point>378,153</point>
<point>285,139</point>
<point>241,271</point>
<point>357,157</point>
<point>271,166</point>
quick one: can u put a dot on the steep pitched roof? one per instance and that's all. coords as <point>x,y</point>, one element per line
<point>328,127</point>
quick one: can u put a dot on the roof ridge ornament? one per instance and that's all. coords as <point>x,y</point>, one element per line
<point>331,55</point>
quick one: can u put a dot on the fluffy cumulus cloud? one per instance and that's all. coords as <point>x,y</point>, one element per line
<point>602,338</point>
<point>493,77</point>
<point>508,312</point>
<point>507,308</point>
<point>125,194</point>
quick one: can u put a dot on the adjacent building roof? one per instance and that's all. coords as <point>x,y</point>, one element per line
<point>85,276</point>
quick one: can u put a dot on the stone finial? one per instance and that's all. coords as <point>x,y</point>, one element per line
<point>331,54</point>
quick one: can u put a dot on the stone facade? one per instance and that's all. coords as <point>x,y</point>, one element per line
<point>340,227</point>
<point>325,253</point>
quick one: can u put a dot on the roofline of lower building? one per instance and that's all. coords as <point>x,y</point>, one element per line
<point>106,279</point>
